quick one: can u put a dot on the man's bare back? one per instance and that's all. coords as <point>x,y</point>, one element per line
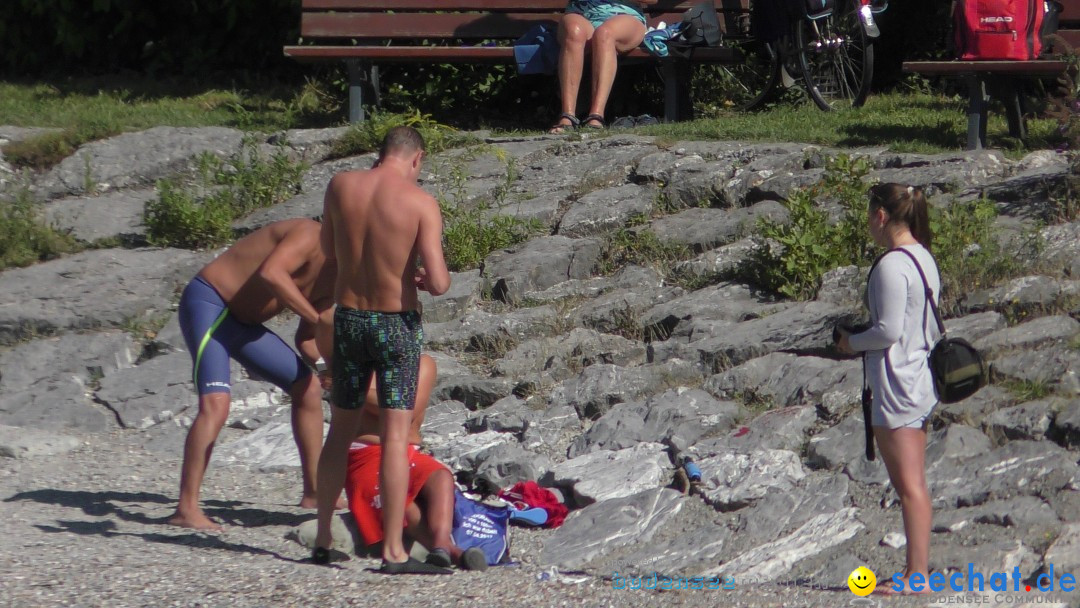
<point>379,222</point>
<point>238,274</point>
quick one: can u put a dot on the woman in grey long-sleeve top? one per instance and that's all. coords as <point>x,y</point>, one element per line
<point>896,346</point>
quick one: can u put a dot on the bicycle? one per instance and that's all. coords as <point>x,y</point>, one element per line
<point>830,54</point>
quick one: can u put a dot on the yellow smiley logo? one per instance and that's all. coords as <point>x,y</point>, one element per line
<point>862,581</point>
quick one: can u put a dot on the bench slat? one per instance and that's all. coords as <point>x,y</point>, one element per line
<point>460,54</point>
<point>550,6</point>
<point>1009,68</point>
<point>428,25</point>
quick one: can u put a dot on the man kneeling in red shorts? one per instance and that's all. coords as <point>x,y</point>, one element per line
<point>429,509</point>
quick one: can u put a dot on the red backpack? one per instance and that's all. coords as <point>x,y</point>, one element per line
<point>998,29</point>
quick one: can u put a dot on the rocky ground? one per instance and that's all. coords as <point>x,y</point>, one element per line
<point>546,374</point>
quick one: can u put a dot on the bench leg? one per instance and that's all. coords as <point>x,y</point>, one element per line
<point>677,103</point>
<point>976,132</point>
<point>1010,97</point>
<point>361,75</point>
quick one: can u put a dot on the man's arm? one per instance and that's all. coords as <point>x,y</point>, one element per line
<point>308,333</point>
<point>434,278</point>
<point>296,249</point>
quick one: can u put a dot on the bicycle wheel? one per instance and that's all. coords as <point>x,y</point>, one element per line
<point>751,82</point>
<point>836,57</point>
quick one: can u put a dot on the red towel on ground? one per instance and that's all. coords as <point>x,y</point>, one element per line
<point>529,494</point>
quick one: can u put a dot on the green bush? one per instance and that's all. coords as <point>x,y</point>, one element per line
<point>640,247</point>
<point>200,214</point>
<point>24,237</point>
<point>791,257</point>
<point>367,136</point>
<point>469,235</point>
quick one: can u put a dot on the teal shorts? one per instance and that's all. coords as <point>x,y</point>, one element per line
<point>599,11</point>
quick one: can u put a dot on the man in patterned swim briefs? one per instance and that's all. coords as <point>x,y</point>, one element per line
<point>379,226</point>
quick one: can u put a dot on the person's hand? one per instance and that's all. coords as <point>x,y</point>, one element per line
<point>421,279</point>
<point>326,381</point>
<point>842,344</point>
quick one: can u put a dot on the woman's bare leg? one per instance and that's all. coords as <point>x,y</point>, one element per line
<point>619,34</point>
<point>574,32</point>
<point>904,453</point>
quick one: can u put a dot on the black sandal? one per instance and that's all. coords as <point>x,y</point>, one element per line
<point>574,123</point>
<point>591,117</point>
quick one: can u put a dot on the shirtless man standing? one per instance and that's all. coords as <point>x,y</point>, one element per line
<point>379,226</point>
<point>221,314</point>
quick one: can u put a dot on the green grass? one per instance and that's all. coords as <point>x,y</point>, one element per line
<point>94,108</point>
<point>1028,390</point>
<point>24,236</point>
<point>903,122</point>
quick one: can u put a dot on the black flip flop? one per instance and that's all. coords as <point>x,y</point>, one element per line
<point>574,123</point>
<point>591,117</point>
<point>439,557</point>
<point>411,566</point>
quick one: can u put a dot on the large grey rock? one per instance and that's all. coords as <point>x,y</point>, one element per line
<point>778,429</point>
<point>506,464</point>
<point>682,412</point>
<point>111,215</point>
<point>474,391</point>
<point>311,145</point>
<point>844,286</point>
<point>30,443</point>
<point>1029,420</point>
<point>723,262</point>
<point>730,302</point>
<point>558,358</point>
<point>1056,367</point>
<point>1020,512</point>
<point>47,383</point>
<point>699,185</point>
<point>1066,428</point>
<point>977,408</point>
<point>444,422</point>
<point>945,172</point>
<point>704,229</point>
<point>573,289</point>
<point>551,431</point>
<point>582,167</point>
<point>268,448</point>
<point>102,288</point>
<point>601,386</point>
<point>606,210</point>
<point>136,159</point>
<point>465,453</point>
<point>771,560</point>
<point>956,442</point>
<point>975,326</point>
<point>779,510</point>
<point>153,392</point>
<point>1032,293</point>
<point>804,327</point>
<point>732,481</point>
<point>507,415</point>
<point>843,447</point>
<point>1061,246</point>
<point>1016,468</point>
<point>539,207</point>
<point>464,293</point>
<point>599,529</point>
<point>1029,335</point>
<point>539,264</point>
<point>607,474</point>
<point>784,379</point>
<point>494,333</point>
<point>1064,554</point>
<point>346,536</point>
<point>620,311</point>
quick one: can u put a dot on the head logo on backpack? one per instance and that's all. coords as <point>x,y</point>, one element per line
<point>989,30</point>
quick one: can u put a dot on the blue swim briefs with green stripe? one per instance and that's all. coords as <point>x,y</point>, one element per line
<point>384,344</point>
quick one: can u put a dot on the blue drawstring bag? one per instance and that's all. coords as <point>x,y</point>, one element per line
<point>537,51</point>
<point>483,526</point>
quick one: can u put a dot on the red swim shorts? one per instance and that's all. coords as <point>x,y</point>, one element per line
<point>362,486</point>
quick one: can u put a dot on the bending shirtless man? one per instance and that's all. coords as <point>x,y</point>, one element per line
<point>221,313</point>
<point>379,225</point>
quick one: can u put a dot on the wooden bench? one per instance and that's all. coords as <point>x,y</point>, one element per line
<point>366,33</point>
<point>1002,79</point>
